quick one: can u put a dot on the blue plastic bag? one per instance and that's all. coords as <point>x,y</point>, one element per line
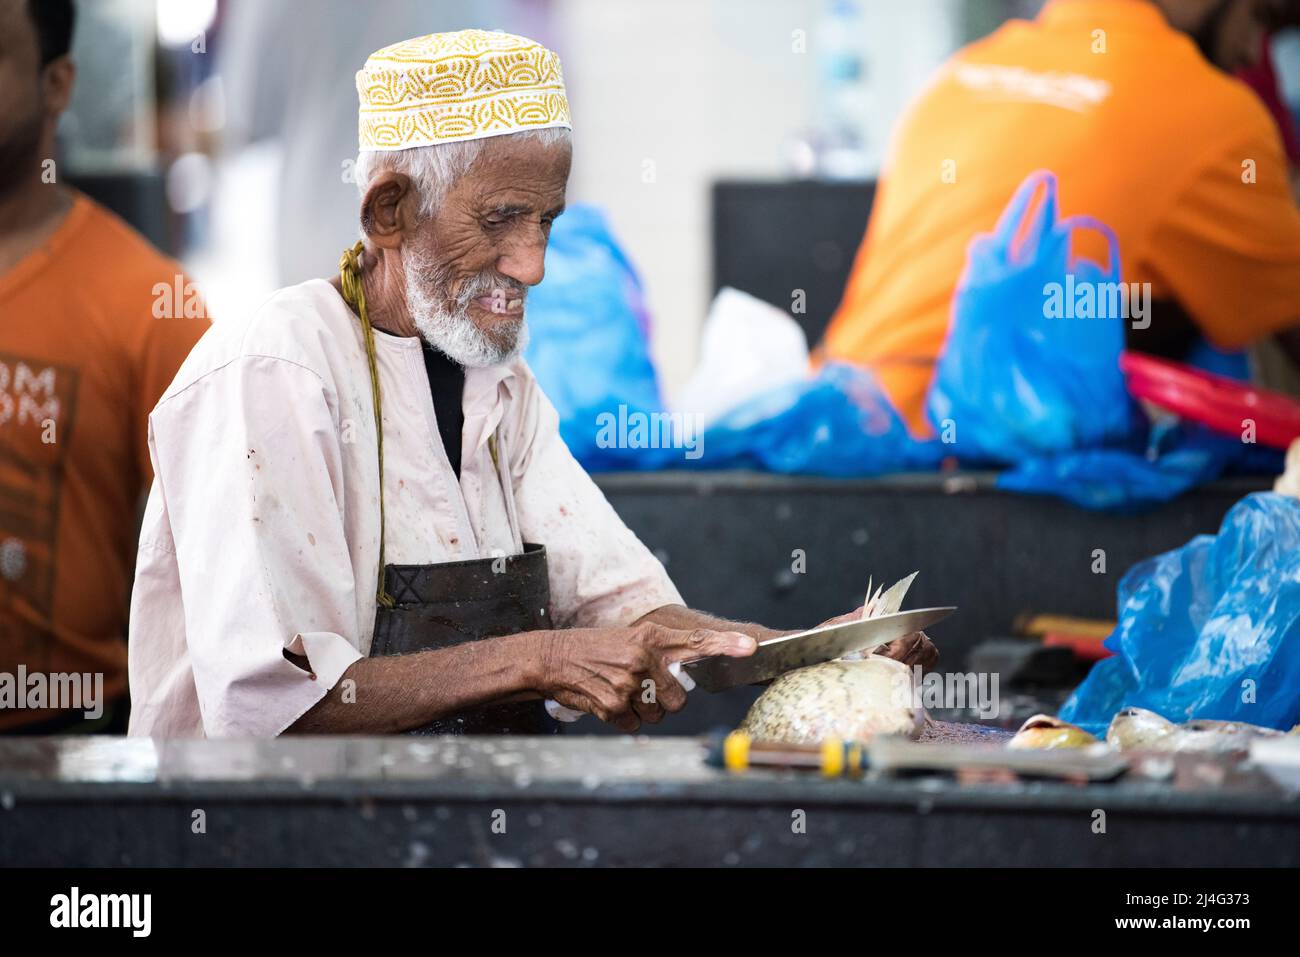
<point>836,423</point>
<point>1143,473</point>
<point>1022,374</point>
<point>589,345</point>
<point>1209,630</point>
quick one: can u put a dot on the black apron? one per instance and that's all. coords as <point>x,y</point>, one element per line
<point>451,603</point>
<point>427,607</point>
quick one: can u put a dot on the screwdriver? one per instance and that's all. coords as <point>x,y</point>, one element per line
<point>737,751</point>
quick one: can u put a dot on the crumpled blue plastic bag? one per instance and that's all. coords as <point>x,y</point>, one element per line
<point>836,423</point>
<point>1142,474</point>
<point>1208,630</point>
<point>1011,383</point>
<point>589,345</point>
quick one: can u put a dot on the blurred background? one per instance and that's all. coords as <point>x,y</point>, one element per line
<point>226,131</point>
<point>727,143</point>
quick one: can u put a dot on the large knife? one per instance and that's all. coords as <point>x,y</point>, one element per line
<point>776,656</point>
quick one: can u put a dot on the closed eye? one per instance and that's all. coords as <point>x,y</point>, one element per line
<point>503,215</point>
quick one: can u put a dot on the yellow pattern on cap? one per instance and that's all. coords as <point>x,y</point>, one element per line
<point>466,85</point>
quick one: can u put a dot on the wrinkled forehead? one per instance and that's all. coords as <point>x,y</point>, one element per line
<point>518,165</point>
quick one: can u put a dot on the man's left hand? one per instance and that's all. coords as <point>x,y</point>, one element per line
<point>913,649</point>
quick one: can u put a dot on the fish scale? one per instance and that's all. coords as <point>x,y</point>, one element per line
<point>839,699</point>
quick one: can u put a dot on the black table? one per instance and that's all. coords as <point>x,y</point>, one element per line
<point>587,801</point>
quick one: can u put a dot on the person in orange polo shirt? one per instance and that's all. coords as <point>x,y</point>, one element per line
<point>1132,105</point>
<point>94,324</point>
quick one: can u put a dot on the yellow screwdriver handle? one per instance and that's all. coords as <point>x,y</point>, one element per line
<point>735,751</point>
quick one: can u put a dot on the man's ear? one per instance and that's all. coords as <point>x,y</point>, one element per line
<point>388,209</point>
<point>57,80</point>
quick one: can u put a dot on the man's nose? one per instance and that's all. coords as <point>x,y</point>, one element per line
<point>525,261</point>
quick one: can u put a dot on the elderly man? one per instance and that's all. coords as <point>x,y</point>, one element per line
<point>364,518</point>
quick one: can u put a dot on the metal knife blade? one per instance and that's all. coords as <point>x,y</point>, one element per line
<point>778,655</point>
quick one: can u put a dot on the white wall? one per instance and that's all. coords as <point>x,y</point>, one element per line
<point>706,89</point>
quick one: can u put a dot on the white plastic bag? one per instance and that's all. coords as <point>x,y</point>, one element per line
<point>748,347</point>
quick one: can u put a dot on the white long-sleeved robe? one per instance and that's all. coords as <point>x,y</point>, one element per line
<point>261,533</point>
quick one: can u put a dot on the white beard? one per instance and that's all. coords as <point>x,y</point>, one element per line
<point>452,331</point>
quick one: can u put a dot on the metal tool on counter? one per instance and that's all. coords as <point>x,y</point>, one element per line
<point>737,751</point>
<point>898,756</point>
<point>776,656</point>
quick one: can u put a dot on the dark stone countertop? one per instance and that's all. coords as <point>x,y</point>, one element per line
<point>581,768</point>
<point>594,801</point>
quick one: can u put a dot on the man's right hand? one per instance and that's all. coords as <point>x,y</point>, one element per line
<point>621,675</point>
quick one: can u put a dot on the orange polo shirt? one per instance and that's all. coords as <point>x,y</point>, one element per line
<point>93,326</point>
<point>1180,159</point>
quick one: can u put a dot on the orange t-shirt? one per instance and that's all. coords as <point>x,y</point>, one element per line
<point>92,330</point>
<point>1180,159</point>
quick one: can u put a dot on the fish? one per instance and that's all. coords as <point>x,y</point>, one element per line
<point>1136,729</point>
<point>878,605</point>
<point>1231,727</point>
<point>891,602</point>
<point>1046,733</point>
<point>850,700</point>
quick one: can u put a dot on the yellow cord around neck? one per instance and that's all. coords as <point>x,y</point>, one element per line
<point>354,294</point>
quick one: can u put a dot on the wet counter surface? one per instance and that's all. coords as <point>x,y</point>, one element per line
<point>588,801</point>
